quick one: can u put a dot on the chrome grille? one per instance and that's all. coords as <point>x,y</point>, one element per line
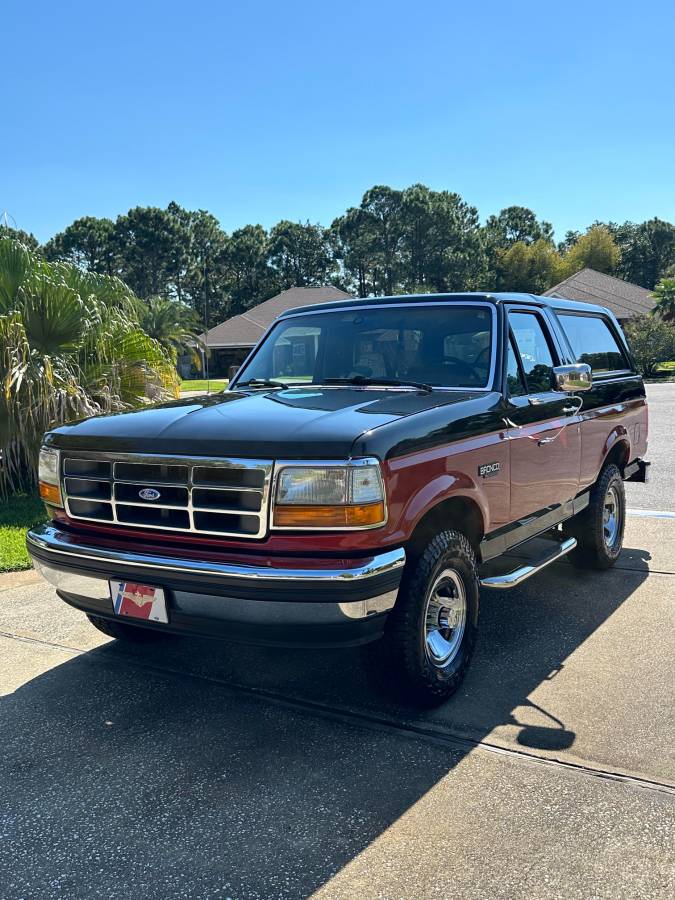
<point>227,497</point>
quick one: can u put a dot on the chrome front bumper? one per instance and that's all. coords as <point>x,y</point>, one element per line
<point>266,604</point>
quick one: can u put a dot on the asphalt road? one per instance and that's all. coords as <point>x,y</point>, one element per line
<point>659,494</point>
<point>208,770</point>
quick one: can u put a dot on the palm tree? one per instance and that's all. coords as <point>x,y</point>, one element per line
<point>71,345</point>
<point>173,324</point>
<point>664,294</point>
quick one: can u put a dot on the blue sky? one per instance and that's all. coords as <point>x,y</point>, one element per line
<point>259,111</point>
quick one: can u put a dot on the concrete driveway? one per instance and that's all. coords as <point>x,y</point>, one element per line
<point>196,769</point>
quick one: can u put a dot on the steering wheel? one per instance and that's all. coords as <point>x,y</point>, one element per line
<point>461,364</point>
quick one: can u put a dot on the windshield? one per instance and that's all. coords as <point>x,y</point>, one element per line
<point>443,346</point>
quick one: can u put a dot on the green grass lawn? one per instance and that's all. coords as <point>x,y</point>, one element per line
<point>17,515</point>
<point>203,385</point>
<point>667,366</point>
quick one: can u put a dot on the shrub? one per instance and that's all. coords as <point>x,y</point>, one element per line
<point>70,346</point>
<point>652,342</point>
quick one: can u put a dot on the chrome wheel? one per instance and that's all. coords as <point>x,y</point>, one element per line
<point>445,618</point>
<point>611,517</point>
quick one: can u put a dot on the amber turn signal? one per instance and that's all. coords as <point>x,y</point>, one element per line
<point>50,493</point>
<point>329,516</point>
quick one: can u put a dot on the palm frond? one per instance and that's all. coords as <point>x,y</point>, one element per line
<point>70,346</point>
<point>53,314</point>
<point>15,263</point>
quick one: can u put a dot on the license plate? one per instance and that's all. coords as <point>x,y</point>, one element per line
<point>138,601</point>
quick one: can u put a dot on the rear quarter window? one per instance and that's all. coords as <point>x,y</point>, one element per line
<point>593,342</point>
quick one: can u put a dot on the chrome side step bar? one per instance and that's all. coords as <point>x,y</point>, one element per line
<point>513,579</point>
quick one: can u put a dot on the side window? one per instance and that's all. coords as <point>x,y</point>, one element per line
<point>514,380</point>
<point>593,342</point>
<point>534,350</point>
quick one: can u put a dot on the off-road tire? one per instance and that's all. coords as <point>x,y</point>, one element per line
<point>425,682</point>
<point>593,550</point>
<point>123,632</point>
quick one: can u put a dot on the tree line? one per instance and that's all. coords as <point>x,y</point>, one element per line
<point>395,241</point>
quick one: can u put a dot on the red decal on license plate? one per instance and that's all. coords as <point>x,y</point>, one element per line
<point>134,600</point>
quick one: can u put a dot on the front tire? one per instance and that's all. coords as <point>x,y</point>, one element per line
<point>432,629</point>
<point>123,632</point>
<point>599,528</point>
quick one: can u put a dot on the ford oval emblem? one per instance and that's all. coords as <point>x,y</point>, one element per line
<point>149,494</point>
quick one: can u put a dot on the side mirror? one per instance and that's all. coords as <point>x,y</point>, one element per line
<point>232,371</point>
<point>572,379</point>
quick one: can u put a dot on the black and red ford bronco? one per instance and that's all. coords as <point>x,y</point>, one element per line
<point>368,460</point>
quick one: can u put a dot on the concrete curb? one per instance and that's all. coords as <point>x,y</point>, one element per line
<point>9,580</point>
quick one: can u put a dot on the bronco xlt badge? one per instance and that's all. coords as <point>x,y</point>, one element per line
<point>488,469</point>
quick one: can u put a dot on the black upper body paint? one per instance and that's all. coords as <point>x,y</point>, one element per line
<point>315,422</point>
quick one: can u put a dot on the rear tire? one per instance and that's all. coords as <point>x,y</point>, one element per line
<point>123,632</point>
<point>432,630</point>
<point>599,528</point>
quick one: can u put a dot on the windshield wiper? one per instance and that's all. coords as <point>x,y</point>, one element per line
<point>393,382</point>
<point>261,382</point>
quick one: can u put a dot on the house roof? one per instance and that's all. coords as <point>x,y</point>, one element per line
<point>248,327</point>
<point>623,298</point>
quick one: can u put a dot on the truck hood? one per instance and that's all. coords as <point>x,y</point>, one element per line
<point>299,423</point>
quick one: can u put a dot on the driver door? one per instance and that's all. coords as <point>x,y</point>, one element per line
<point>543,425</point>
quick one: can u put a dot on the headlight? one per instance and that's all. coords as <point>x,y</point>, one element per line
<point>48,476</point>
<point>329,496</point>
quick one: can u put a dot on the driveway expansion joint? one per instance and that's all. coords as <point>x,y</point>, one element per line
<point>367,720</point>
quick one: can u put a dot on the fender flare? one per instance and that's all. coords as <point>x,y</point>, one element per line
<point>618,436</point>
<point>449,486</point>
